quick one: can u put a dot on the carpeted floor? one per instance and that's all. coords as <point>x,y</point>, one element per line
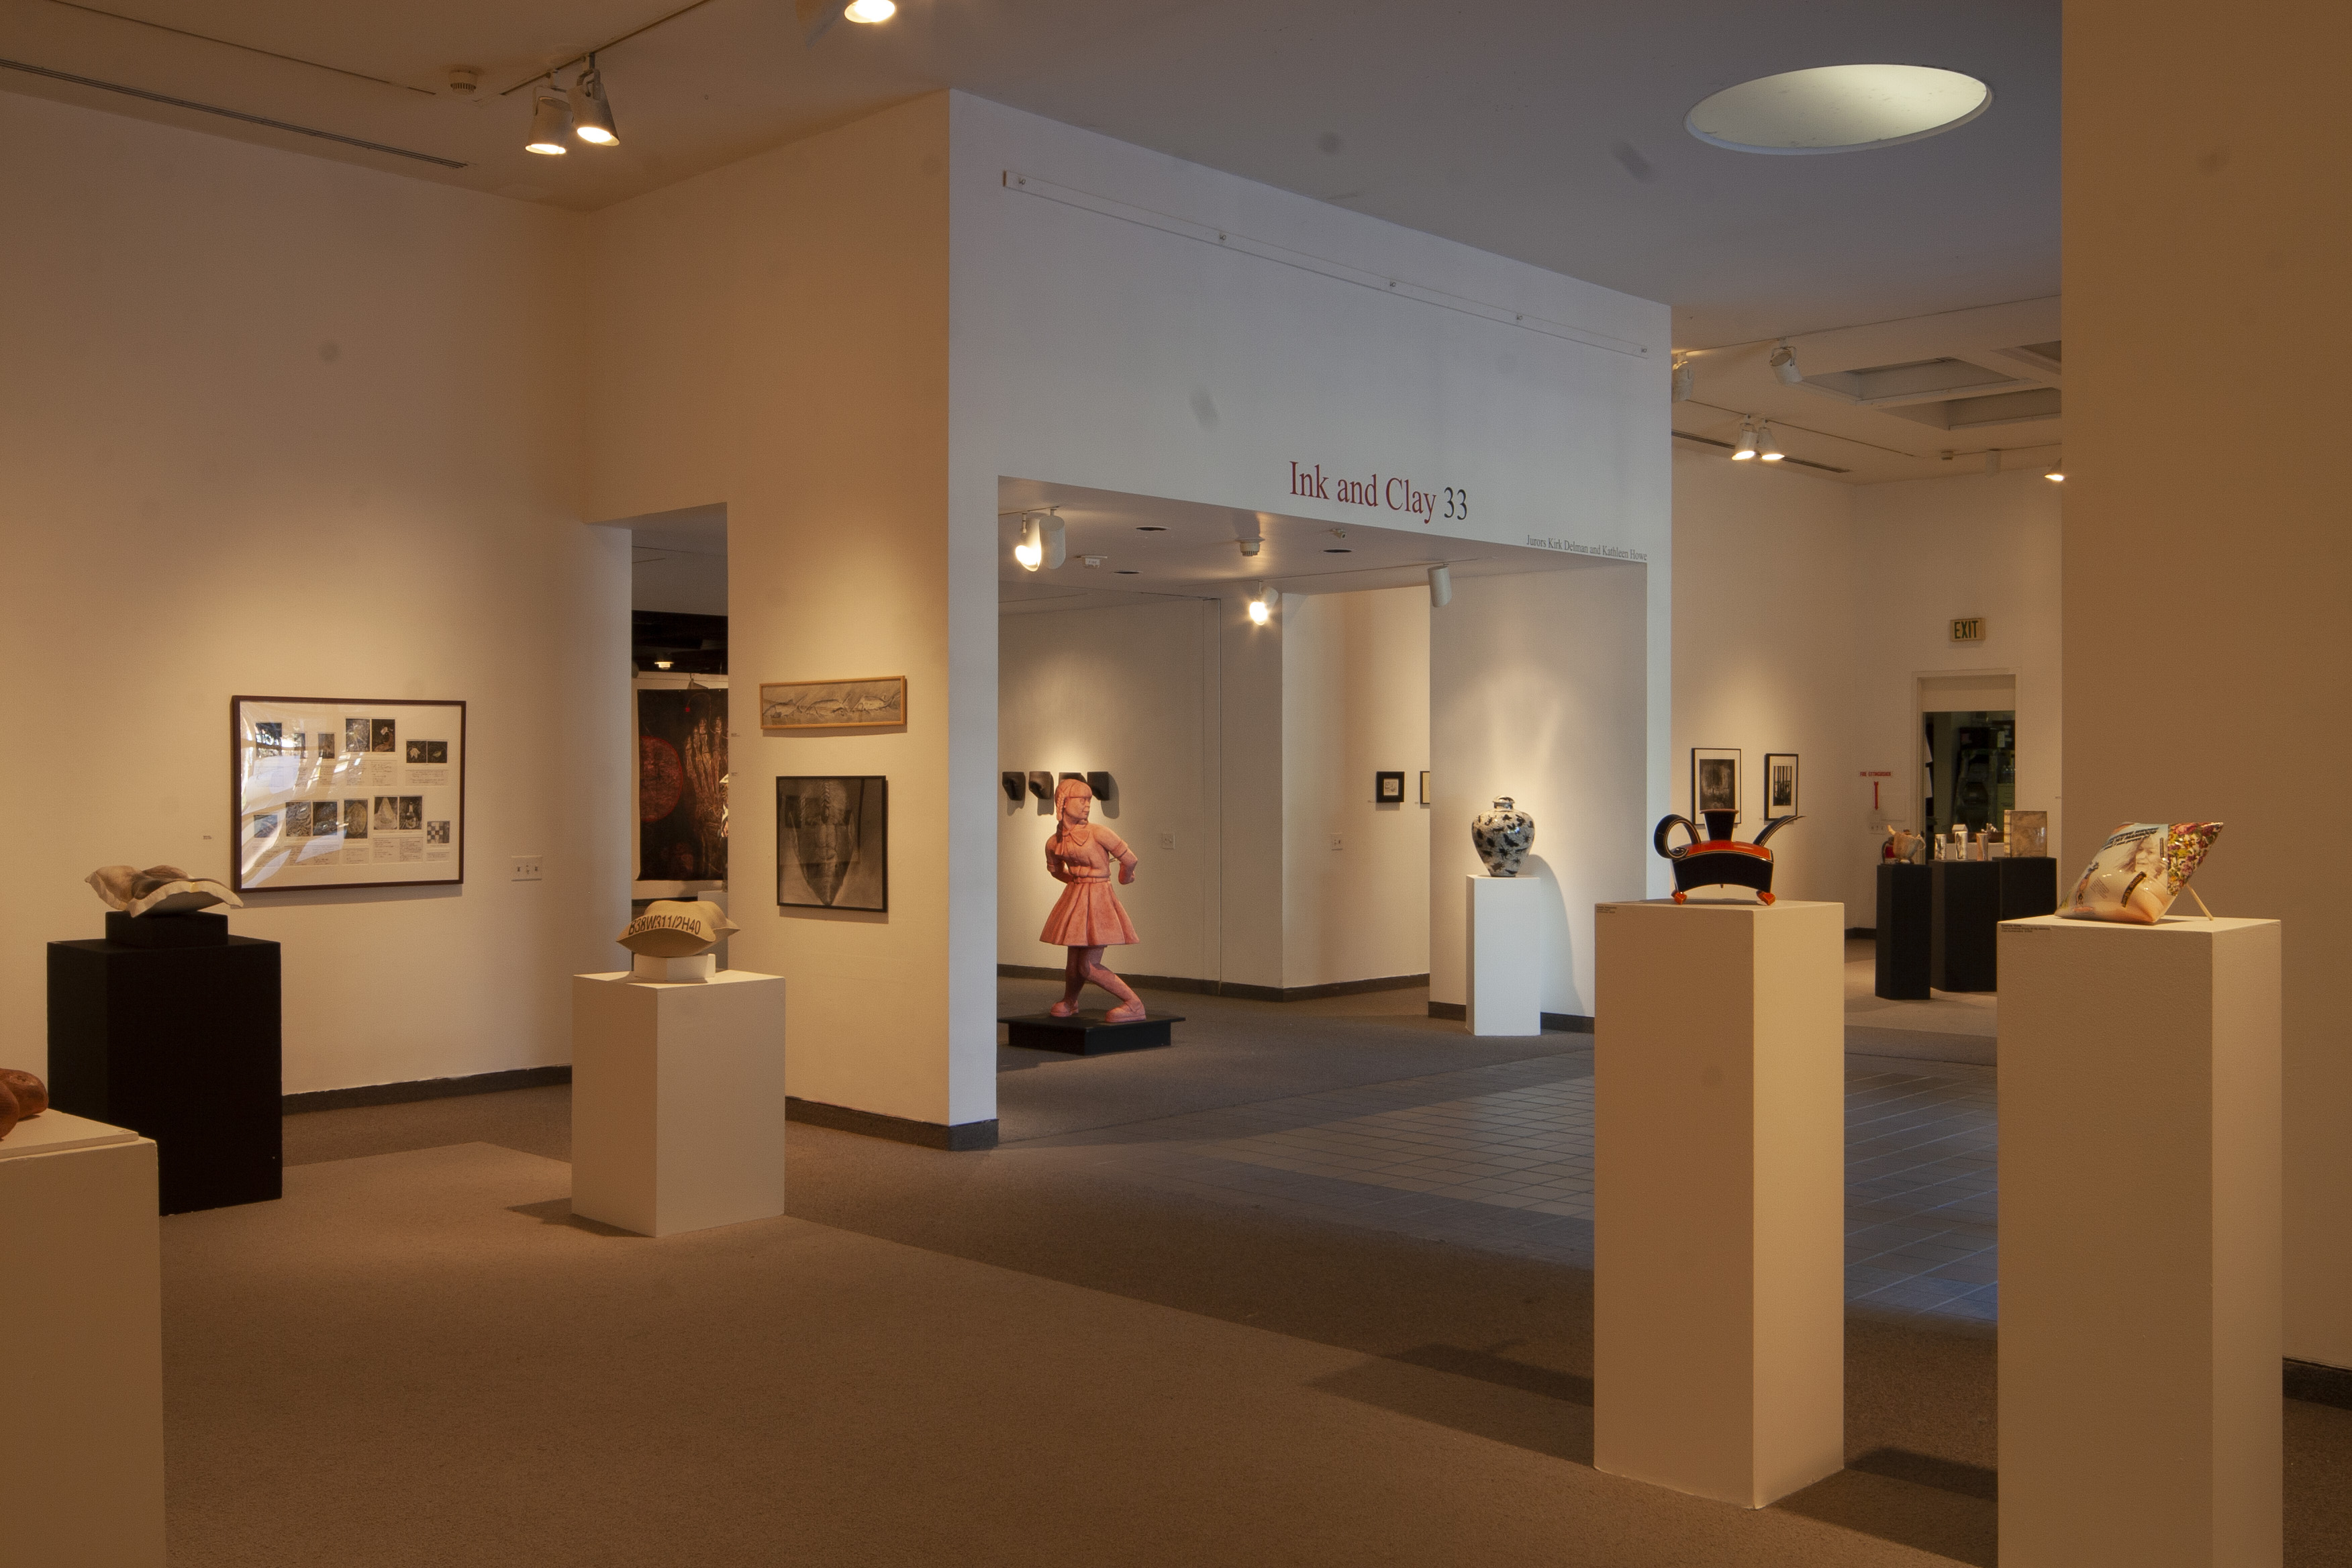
<point>418,1358</point>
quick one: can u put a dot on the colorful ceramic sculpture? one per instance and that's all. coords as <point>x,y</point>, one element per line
<point>1503,835</point>
<point>1719,860</point>
<point>2139,871</point>
<point>1088,917</point>
<point>22,1098</point>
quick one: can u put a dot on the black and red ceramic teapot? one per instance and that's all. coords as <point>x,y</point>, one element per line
<point>1719,860</point>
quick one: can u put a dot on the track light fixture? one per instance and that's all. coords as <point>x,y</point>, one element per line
<point>1250,547</point>
<point>2055,473</point>
<point>1441,586</point>
<point>1043,541</point>
<point>1784,365</point>
<point>1766,448</point>
<point>1683,378</point>
<point>870,10</point>
<point>592,111</point>
<point>1745,450</point>
<point>1261,603</point>
<point>551,121</point>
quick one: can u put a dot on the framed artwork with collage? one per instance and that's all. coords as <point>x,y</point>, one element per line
<point>331,791</point>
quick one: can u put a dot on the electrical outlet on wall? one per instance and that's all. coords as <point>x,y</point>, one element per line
<point>527,868</point>
<point>1167,841</point>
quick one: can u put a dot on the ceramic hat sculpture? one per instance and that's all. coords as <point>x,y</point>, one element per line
<point>158,890</point>
<point>1719,860</point>
<point>22,1098</point>
<point>677,928</point>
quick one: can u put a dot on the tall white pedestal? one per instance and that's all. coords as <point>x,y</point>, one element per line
<point>1505,963</point>
<point>2139,1244</point>
<point>678,1101</point>
<point>1719,1196</point>
<point>82,1314</point>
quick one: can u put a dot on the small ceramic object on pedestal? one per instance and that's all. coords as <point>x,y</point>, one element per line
<point>158,890</point>
<point>1088,918</point>
<point>1503,835</point>
<point>22,1098</point>
<point>672,940</point>
<point>1719,860</point>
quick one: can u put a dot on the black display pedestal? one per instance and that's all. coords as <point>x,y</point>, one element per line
<point>170,1026</point>
<point>1086,1034</point>
<point>1907,920</point>
<point>1971,899</point>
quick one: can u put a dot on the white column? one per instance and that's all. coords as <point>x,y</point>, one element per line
<point>678,1101</point>
<point>81,1308</point>
<point>1505,991</point>
<point>1719,1196</point>
<point>2139,1244</point>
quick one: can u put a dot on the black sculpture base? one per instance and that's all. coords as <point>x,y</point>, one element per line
<point>1088,1034</point>
<point>174,1033</point>
<point>1907,915</point>
<point>1971,899</point>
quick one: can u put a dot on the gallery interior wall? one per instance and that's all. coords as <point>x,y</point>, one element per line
<point>1537,691</point>
<point>1129,691</point>
<point>1355,696</point>
<point>2206,577</point>
<point>280,426</point>
<point>774,335</point>
<point>1806,610</point>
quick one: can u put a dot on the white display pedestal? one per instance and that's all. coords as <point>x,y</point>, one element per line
<point>1505,956</point>
<point>678,1101</point>
<point>2139,1244</point>
<point>1719,1196</point>
<point>81,1311</point>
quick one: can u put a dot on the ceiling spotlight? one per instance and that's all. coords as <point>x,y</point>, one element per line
<point>2055,473</point>
<point>662,663</point>
<point>1252,546</point>
<point>550,121</point>
<point>1030,550</point>
<point>1784,365</point>
<point>1057,546</point>
<point>1683,378</point>
<point>1746,447</point>
<point>1261,603</point>
<point>1441,586</point>
<point>1766,447</point>
<point>871,10</point>
<point>1838,108</point>
<point>592,111</point>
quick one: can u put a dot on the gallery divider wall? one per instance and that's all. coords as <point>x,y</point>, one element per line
<point>280,426</point>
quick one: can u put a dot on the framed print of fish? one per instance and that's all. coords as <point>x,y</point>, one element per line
<point>872,703</point>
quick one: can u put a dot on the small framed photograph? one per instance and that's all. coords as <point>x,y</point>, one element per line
<point>1715,781</point>
<point>1388,788</point>
<point>864,704</point>
<point>1779,784</point>
<point>1424,786</point>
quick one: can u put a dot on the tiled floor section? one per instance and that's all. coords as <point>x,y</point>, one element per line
<point>1502,1157</point>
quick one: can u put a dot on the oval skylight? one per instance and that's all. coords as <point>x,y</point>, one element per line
<point>1839,109</point>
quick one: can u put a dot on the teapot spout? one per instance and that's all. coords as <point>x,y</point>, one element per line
<point>1775,825</point>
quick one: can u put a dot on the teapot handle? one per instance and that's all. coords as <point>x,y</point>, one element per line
<point>1666,825</point>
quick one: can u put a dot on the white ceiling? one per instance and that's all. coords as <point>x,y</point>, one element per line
<point>1550,130</point>
<point>1146,545</point>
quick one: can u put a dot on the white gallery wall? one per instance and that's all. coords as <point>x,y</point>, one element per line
<point>1808,611</point>
<point>1538,690</point>
<point>279,425</point>
<point>1131,691</point>
<point>1355,701</point>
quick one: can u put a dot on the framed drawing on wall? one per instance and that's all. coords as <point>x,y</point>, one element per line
<point>861,704</point>
<point>1715,781</point>
<point>1388,788</point>
<point>833,842</point>
<point>334,792</point>
<point>1779,784</point>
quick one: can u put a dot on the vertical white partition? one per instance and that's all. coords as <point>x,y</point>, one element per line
<point>1719,1196</point>
<point>2139,1244</point>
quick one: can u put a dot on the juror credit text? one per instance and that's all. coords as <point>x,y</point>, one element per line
<point>1396,493</point>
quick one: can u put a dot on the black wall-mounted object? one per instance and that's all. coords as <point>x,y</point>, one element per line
<point>1100,784</point>
<point>170,1026</point>
<point>1015,786</point>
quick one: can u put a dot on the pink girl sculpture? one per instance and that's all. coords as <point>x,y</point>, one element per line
<point>1088,917</point>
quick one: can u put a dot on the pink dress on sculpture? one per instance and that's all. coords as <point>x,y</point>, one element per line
<point>1088,914</point>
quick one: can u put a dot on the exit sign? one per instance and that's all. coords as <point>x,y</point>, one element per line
<point>1970,630</point>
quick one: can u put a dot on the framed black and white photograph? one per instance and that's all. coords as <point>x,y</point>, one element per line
<point>1779,783</point>
<point>833,842</point>
<point>1424,786</point>
<point>328,791</point>
<point>1388,788</point>
<point>1715,780</point>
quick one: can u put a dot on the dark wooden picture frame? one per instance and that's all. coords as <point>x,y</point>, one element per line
<point>444,874</point>
<point>1774,804</point>
<point>857,865</point>
<point>1387,787</point>
<point>1722,796</point>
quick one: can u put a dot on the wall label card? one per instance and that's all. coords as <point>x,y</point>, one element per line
<point>346,793</point>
